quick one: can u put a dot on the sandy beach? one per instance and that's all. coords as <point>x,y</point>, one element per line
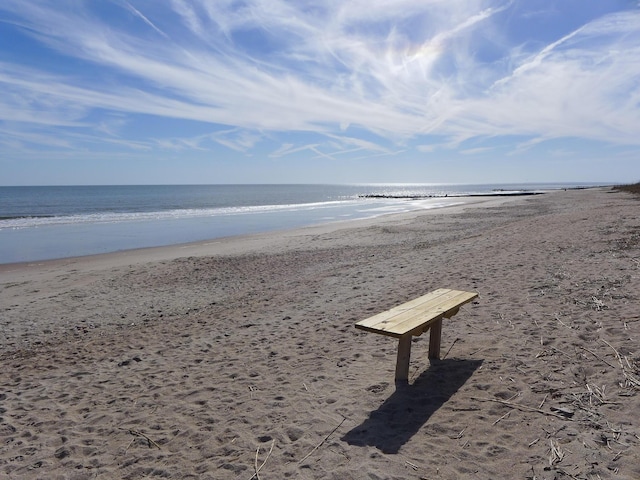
<point>238,358</point>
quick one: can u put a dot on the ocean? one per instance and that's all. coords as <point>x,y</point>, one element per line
<point>50,222</point>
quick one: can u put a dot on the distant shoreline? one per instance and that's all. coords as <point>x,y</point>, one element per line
<point>453,195</point>
<point>495,193</point>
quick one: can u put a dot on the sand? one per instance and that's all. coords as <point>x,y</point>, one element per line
<point>220,359</point>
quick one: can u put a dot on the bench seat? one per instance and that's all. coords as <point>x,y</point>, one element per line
<point>415,317</point>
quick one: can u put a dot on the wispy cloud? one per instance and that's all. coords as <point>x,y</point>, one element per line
<point>290,148</point>
<point>137,13</point>
<point>584,85</point>
<point>475,151</point>
<point>396,70</point>
<point>236,139</point>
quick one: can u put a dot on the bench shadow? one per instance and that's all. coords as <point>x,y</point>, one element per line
<point>399,418</point>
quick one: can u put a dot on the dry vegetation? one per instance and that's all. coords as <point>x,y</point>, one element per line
<point>631,188</point>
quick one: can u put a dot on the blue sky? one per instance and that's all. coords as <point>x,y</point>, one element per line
<point>317,91</point>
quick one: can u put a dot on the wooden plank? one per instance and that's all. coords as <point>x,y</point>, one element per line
<point>415,316</point>
<point>388,315</point>
<point>432,312</point>
<point>400,312</point>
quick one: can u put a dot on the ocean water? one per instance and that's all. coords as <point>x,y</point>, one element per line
<point>38,223</point>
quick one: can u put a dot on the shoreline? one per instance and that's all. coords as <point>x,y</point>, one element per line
<point>229,244</point>
<point>61,237</point>
<point>201,361</point>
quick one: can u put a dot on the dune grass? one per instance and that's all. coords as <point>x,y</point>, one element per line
<point>631,188</point>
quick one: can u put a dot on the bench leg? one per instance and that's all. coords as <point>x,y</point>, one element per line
<point>435,336</point>
<point>404,354</point>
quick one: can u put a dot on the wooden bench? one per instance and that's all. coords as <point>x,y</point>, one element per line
<point>415,318</point>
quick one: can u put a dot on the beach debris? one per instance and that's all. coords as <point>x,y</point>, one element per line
<point>597,304</point>
<point>629,372</point>
<point>519,406</point>
<point>256,473</point>
<point>502,417</point>
<point>556,454</point>
<point>412,465</point>
<point>543,400</point>
<point>454,342</point>
<point>324,440</point>
<point>593,393</point>
<point>459,435</point>
<point>566,412</point>
<point>137,433</point>
<point>597,356</point>
<point>557,317</point>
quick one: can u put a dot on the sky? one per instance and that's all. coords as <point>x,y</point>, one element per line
<point>319,91</point>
